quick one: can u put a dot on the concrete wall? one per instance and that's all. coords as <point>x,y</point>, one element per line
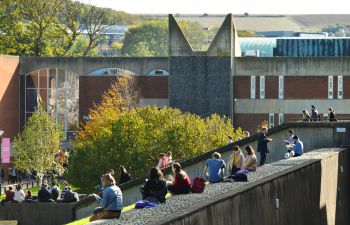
<point>86,65</point>
<point>47,213</point>
<point>313,135</point>
<point>313,193</point>
<point>291,66</point>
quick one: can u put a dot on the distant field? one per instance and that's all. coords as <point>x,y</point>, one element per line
<point>319,21</point>
<point>297,23</point>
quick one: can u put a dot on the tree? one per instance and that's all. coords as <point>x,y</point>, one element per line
<point>36,144</point>
<point>135,138</point>
<point>79,47</point>
<point>246,33</point>
<point>338,30</point>
<point>122,96</point>
<point>150,38</point>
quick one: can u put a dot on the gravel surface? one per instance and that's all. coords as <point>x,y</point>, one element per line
<point>181,202</point>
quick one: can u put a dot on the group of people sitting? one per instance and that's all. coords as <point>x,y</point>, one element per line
<point>294,145</point>
<point>315,116</point>
<point>45,194</point>
<point>215,167</point>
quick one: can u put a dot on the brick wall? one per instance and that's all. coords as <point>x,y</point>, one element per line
<point>9,96</point>
<point>91,88</point>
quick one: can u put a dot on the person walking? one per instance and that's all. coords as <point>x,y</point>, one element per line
<point>262,145</point>
<point>331,115</point>
<point>314,113</point>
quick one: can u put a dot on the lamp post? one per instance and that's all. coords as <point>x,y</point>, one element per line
<point>1,133</point>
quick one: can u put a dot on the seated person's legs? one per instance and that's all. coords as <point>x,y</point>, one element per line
<point>104,214</point>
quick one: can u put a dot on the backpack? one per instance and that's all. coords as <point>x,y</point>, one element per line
<point>144,204</point>
<point>198,185</point>
<point>240,177</point>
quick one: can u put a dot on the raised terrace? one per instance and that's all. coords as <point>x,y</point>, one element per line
<point>311,189</point>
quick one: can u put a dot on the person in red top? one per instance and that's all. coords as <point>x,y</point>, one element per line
<point>181,184</point>
<point>9,196</point>
<point>162,163</point>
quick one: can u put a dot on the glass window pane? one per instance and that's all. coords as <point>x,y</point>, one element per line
<point>31,96</point>
<point>32,80</point>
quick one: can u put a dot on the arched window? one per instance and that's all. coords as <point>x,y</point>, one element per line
<point>111,72</point>
<point>158,72</point>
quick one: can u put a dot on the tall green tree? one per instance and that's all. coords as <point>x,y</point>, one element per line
<point>135,138</point>
<point>36,144</point>
<point>150,38</point>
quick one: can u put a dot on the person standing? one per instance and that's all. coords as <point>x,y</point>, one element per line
<point>314,113</point>
<point>331,115</point>
<point>262,145</point>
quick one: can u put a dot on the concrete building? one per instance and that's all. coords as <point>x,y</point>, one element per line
<point>219,80</point>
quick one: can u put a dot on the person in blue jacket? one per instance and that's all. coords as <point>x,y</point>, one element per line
<point>298,146</point>
<point>111,201</point>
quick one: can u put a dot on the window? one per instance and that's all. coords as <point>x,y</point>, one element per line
<point>330,87</point>
<point>262,87</point>
<point>280,87</point>
<point>271,120</point>
<point>340,87</point>
<point>252,87</point>
<point>280,118</point>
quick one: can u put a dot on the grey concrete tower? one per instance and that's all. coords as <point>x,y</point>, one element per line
<point>201,82</point>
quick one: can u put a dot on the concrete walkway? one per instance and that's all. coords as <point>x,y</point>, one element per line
<point>182,202</point>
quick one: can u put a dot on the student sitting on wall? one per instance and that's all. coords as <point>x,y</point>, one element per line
<point>297,149</point>
<point>155,187</point>
<point>10,194</point>
<point>19,194</point>
<point>112,201</point>
<point>251,161</point>
<point>236,161</point>
<point>44,195</point>
<point>214,168</point>
<point>180,183</point>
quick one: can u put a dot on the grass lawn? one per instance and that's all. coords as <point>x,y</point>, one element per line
<point>86,220</point>
<point>125,209</point>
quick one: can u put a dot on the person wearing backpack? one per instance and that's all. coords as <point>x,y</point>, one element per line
<point>155,187</point>
<point>180,183</point>
<point>236,161</point>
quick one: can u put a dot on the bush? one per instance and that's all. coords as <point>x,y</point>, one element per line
<point>135,139</point>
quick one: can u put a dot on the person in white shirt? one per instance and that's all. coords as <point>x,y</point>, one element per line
<point>169,158</point>
<point>19,194</point>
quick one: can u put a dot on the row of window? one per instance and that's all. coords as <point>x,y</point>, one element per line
<point>272,119</point>
<point>281,87</point>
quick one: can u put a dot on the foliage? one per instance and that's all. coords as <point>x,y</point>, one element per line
<point>246,33</point>
<point>120,97</point>
<point>338,30</point>
<point>79,46</point>
<point>263,123</point>
<point>36,144</point>
<point>135,138</point>
<point>150,38</point>
<point>52,28</point>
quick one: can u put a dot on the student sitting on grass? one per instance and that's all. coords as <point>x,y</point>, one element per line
<point>155,187</point>
<point>180,183</point>
<point>112,201</point>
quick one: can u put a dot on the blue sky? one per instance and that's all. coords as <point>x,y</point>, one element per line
<point>226,6</point>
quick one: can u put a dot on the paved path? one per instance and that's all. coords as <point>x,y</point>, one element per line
<point>181,202</point>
